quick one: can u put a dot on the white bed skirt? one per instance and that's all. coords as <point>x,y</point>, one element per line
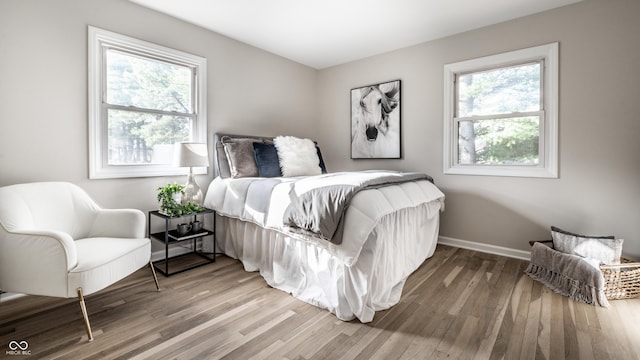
<point>396,247</point>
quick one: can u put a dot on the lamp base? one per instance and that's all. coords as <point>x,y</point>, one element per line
<point>192,192</point>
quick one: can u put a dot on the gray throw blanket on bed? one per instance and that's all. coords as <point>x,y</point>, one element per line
<point>567,274</point>
<point>319,202</point>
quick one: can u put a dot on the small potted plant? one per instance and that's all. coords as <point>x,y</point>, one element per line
<point>170,196</point>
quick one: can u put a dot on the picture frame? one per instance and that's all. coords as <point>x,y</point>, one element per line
<point>375,121</point>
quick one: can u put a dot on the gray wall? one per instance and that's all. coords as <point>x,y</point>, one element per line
<point>43,90</point>
<point>43,110</point>
<point>598,191</point>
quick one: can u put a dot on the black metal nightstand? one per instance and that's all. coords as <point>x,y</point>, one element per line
<point>199,254</point>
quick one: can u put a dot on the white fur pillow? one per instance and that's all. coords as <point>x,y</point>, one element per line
<point>298,157</point>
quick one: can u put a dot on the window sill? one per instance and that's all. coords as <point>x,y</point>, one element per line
<point>531,172</point>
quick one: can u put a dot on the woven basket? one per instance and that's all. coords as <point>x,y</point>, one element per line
<point>622,281</point>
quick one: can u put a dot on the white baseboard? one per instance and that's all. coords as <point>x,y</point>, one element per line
<point>173,251</point>
<point>10,296</point>
<point>486,248</point>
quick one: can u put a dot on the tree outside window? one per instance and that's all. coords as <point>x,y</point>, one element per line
<point>488,131</point>
<point>149,107</point>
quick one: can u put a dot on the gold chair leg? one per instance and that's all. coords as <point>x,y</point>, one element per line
<point>84,314</point>
<point>155,278</point>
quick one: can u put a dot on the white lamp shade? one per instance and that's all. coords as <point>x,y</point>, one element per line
<point>191,155</point>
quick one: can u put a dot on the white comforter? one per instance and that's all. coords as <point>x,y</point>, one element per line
<point>263,201</point>
<point>388,233</point>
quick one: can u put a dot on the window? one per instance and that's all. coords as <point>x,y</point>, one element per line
<point>143,98</point>
<point>501,116</point>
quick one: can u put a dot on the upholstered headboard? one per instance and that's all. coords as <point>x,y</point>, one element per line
<point>267,163</point>
<point>220,161</point>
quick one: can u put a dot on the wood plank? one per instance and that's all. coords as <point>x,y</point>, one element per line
<point>543,350</point>
<point>458,304</point>
<point>532,321</point>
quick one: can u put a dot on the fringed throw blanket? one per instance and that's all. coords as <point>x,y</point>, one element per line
<point>567,274</point>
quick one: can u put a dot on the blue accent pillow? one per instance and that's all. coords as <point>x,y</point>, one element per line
<point>266,160</point>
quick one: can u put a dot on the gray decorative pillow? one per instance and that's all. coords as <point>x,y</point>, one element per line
<point>242,162</point>
<point>606,249</point>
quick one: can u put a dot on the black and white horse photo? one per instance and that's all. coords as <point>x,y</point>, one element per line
<point>375,121</point>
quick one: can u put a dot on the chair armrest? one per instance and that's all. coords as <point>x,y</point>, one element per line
<point>119,223</point>
<point>36,262</point>
<point>37,243</point>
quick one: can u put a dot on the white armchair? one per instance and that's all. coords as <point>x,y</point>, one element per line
<point>56,241</point>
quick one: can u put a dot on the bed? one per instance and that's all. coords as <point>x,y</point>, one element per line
<point>380,233</point>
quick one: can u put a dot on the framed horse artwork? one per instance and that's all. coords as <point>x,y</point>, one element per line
<point>375,121</point>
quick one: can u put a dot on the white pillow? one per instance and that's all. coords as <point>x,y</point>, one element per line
<point>606,249</point>
<point>298,157</point>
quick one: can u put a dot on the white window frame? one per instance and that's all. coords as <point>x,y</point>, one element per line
<point>99,41</point>
<point>548,140</point>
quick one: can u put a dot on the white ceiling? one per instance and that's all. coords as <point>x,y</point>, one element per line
<point>323,33</point>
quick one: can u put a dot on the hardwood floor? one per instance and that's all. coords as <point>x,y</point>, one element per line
<point>458,304</point>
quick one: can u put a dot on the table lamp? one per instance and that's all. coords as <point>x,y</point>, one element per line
<point>188,154</point>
